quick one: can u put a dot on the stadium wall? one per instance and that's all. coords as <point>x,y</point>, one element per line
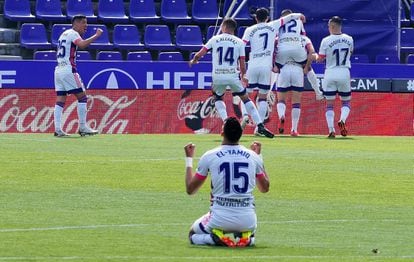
<point>157,97</point>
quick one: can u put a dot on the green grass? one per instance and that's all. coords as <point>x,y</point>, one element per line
<point>122,198</point>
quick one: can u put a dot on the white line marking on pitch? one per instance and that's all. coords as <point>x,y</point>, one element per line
<point>5,230</point>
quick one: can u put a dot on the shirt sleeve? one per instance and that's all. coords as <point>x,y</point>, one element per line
<point>246,37</point>
<point>322,48</point>
<point>75,37</point>
<point>202,168</point>
<point>209,44</point>
<point>242,50</point>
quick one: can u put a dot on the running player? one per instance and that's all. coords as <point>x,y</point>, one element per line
<point>228,53</point>
<point>336,49</point>
<point>235,172</point>
<point>67,79</point>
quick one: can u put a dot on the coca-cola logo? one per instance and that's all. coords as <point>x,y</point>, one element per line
<point>197,108</point>
<point>37,118</point>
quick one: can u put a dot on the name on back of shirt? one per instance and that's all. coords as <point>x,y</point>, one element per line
<point>233,152</point>
<point>340,41</point>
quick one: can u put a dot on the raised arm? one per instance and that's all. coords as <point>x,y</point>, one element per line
<point>262,180</point>
<point>192,181</point>
<point>83,43</point>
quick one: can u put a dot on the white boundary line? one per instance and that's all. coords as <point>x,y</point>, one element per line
<point>56,228</point>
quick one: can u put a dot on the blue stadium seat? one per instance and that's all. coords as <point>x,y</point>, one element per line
<point>175,11</point>
<point>83,55</point>
<point>410,59</point>
<point>84,7</point>
<point>101,42</point>
<point>50,10</point>
<point>205,11</point>
<point>358,59</point>
<point>127,37</point>
<point>206,58</point>
<point>158,37</point>
<point>33,36</point>
<point>188,37</point>
<point>387,59</point>
<point>407,40</point>
<point>139,56</point>
<point>57,30</point>
<point>18,10</point>
<point>211,31</point>
<point>170,56</point>
<point>110,11</point>
<point>243,17</point>
<point>45,55</point>
<point>143,11</point>
<point>109,55</point>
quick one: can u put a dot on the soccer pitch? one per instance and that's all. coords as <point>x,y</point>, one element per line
<point>122,198</point>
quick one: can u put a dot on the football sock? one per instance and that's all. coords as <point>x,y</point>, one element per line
<point>330,115</point>
<point>221,109</point>
<point>202,239</point>
<point>82,111</point>
<point>58,115</point>
<point>313,80</point>
<point>262,108</point>
<point>345,109</point>
<point>295,116</point>
<point>252,110</point>
<point>281,109</point>
<point>273,79</point>
<point>243,109</point>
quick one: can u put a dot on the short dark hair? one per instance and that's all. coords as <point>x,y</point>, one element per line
<point>78,17</point>
<point>262,14</point>
<point>230,23</point>
<point>286,12</point>
<point>232,129</point>
<point>336,20</point>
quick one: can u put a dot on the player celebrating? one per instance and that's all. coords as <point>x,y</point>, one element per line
<point>228,54</point>
<point>235,172</point>
<point>261,38</point>
<point>67,79</point>
<point>336,49</point>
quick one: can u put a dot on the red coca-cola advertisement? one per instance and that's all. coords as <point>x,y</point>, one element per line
<point>192,111</point>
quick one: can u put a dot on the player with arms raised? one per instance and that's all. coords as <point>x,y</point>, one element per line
<point>228,55</point>
<point>67,79</point>
<point>336,49</point>
<point>235,172</point>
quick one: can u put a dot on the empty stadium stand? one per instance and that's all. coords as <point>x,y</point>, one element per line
<point>127,37</point>
<point>50,10</point>
<point>183,25</point>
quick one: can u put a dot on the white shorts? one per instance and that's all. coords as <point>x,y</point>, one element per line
<point>66,81</point>
<point>226,221</point>
<point>337,80</point>
<point>291,75</point>
<point>297,54</point>
<point>220,86</point>
<point>259,76</point>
